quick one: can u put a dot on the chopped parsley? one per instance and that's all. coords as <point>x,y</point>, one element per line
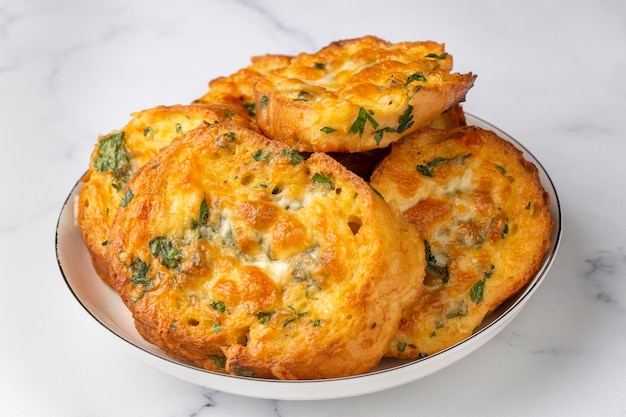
<point>219,306</point>
<point>294,157</point>
<point>179,128</point>
<point>260,155</point>
<point>505,229</point>
<point>440,56</point>
<point>148,131</point>
<point>218,360</point>
<point>378,135</point>
<point>112,156</point>
<point>427,169</point>
<point>225,139</point>
<point>405,121</point>
<point>139,273</point>
<point>476,293</point>
<point>128,196</point>
<point>322,179</point>
<point>328,129</point>
<point>244,372</point>
<point>264,316</point>
<point>263,102</point>
<point>163,248</point>
<point>359,124</point>
<point>203,216</point>
<point>250,107</point>
<point>436,270</point>
<point>303,96</point>
<point>418,76</point>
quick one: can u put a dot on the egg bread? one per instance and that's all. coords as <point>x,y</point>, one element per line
<point>119,154</point>
<point>485,219</point>
<point>237,89</point>
<point>357,95</point>
<point>236,254</point>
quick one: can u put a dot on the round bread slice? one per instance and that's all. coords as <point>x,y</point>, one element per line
<point>237,89</point>
<point>485,220</point>
<point>357,95</point>
<point>236,254</point>
<point>119,154</point>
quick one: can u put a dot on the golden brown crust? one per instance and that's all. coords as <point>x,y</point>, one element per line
<point>485,219</point>
<point>359,94</point>
<point>238,256</point>
<point>120,153</point>
<point>237,89</point>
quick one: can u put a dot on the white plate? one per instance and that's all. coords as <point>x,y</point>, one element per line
<point>109,311</point>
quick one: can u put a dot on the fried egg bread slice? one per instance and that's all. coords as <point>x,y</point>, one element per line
<point>236,254</point>
<point>485,221</point>
<point>357,95</point>
<point>119,154</point>
<point>237,89</point>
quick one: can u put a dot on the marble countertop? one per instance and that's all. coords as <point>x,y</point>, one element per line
<point>550,74</point>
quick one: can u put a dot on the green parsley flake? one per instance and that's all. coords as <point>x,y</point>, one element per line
<point>322,179</point>
<point>263,102</point>
<point>250,107</point>
<point>225,139</point>
<point>139,273</point>
<point>203,218</point>
<point>405,121</point>
<point>128,196</point>
<point>264,316</point>
<point>112,156</point>
<point>260,155</point>
<point>438,271</point>
<point>163,248</point>
<point>359,124</point>
<point>303,96</point>
<point>218,360</point>
<point>219,306</point>
<point>418,76</point>
<point>476,293</point>
<point>294,157</point>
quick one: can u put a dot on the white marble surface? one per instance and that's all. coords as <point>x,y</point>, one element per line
<point>550,73</point>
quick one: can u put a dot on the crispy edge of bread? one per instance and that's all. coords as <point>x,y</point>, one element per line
<point>481,276</point>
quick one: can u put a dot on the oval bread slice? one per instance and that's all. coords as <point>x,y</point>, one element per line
<point>119,154</point>
<point>485,221</point>
<point>357,95</point>
<point>236,254</point>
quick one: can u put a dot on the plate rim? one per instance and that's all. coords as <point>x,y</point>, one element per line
<point>321,389</point>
